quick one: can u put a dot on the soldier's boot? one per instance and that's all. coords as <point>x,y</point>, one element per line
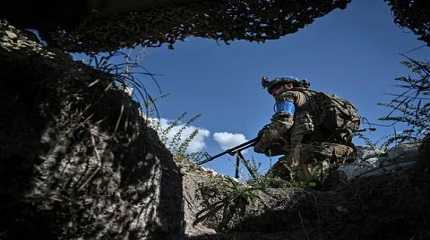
<point>280,170</point>
<point>327,158</point>
<point>300,169</point>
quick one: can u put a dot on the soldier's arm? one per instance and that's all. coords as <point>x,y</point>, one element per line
<point>285,107</point>
<point>282,120</point>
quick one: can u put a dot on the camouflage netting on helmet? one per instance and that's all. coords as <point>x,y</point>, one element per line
<point>413,14</point>
<point>225,20</point>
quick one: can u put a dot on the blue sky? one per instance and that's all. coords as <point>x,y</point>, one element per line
<point>353,53</point>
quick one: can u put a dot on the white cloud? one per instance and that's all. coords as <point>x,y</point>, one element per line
<point>228,140</point>
<point>198,142</point>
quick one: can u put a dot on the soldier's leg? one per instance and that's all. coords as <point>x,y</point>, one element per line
<point>294,166</point>
<point>297,157</point>
<point>298,167</point>
<point>325,158</point>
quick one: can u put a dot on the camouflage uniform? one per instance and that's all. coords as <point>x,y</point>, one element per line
<point>310,154</point>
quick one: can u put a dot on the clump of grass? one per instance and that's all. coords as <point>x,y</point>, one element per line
<point>177,144</point>
<point>128,74</point>
<point>226,199</point>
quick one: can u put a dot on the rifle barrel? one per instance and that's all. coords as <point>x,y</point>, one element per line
<point>245,144</point>
<point>232,150</point>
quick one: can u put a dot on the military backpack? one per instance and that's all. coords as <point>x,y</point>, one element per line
<point>337,116</point>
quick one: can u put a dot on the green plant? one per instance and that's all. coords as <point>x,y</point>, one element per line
<point>181,150</point>
<point>164,132</point>
<point>174,136</point>
<point>410,108</point>
<point>252,167</point>
<point>227,199</point>
<point>177,145</point>
<point>264,182</point>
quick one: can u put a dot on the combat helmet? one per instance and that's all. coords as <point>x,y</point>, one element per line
<point>297,83</point>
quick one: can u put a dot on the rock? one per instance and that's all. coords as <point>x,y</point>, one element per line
<point>11,35</point>
<point>18,44</point>
<point>65,172</point>
<point>403,151</point>
<point>372,161</point>
<point>423,164</point>
<point>193,205</point>
<point>365,152</point>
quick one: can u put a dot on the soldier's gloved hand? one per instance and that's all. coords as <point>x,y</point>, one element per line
<point>270,140</point>
<point>288,123</point>
<point>262,143</point>
<point>282,121</point>
<point>266,128</point>
<point>259,147</point>
<point>283,126</point>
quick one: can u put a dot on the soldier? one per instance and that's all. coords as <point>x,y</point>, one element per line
<point>313,129</point>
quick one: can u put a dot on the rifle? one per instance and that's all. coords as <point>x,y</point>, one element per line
<point>236,151</point>
<point>252,142</point>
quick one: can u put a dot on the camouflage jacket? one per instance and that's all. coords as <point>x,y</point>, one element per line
<point>317,116</point>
